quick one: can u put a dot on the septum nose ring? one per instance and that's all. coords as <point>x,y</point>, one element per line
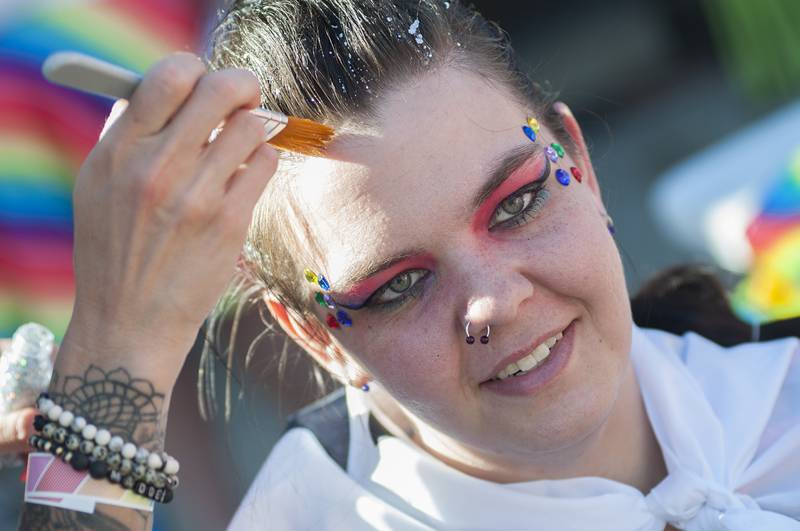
<point>470,339</point>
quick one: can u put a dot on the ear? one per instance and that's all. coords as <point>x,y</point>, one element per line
<point>317,341</point>
<point>583,160</point>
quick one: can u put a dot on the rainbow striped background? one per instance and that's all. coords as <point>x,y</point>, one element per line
<point>47,131</point>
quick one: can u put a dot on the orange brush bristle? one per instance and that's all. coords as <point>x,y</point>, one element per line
<point>303,136</point>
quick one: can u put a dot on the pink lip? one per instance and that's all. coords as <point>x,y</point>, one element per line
<point>541,375</point>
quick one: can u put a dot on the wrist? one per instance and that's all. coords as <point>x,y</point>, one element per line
<point>155,357</point>
<point>115,399</point>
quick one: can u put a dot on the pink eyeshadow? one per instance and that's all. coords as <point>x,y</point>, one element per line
<point>361,291</point>
<point>526,174</point>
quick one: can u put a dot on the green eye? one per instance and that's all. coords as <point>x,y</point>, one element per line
<point>513,205</point>
<point>400,283</point>
<point>518,208</point>
<point>399,287</point>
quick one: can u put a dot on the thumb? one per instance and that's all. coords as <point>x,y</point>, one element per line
<point>15,428</point>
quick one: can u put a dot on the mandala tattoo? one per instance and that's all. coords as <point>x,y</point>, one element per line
<point>126,406</point>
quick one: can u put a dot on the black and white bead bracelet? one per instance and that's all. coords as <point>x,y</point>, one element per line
<point>84,446</point>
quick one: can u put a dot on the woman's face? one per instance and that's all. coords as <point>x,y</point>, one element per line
<point>421,221</point>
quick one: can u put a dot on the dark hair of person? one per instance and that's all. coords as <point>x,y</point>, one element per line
<point>691,298</point>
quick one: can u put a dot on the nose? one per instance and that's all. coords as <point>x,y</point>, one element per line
<point>495,294</point>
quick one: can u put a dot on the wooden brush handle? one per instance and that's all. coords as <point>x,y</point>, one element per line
<point>90,74</point>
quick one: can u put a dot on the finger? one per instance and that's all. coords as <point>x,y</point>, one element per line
<point>164,89</point>
<point>247,184</point>
<point>218,94</point>
<point>15,428</point>
<point>242,134</point>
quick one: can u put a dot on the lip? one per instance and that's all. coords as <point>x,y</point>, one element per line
<point>541,375</point>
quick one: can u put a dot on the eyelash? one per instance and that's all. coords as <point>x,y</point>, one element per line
<point>540,196</point>
<point>413,291</point>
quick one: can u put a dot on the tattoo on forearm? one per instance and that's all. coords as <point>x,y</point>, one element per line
<point>126,406</point>
<point>45,518</point>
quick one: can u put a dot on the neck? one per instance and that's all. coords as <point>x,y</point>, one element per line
<point>624,448</point>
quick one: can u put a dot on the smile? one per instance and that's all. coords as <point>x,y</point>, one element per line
<point>531,361</point>
<point>526,373</point>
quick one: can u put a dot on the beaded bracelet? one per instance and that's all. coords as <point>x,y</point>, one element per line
<point>128,466</point>
<point>84,446</point>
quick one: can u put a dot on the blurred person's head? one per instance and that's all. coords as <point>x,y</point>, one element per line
<point>428,105</point>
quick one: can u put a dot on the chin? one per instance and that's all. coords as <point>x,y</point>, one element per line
<point>570,413</point>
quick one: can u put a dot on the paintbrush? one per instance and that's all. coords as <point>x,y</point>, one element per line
<point>90,74</point>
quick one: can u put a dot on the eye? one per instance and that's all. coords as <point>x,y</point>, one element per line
<point>520,206</point>
<point>398,289</point>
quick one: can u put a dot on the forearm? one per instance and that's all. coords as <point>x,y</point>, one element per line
<point>125,402</point>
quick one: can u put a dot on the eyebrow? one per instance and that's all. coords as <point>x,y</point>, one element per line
<point>503,167</point>
<point>500,169</point>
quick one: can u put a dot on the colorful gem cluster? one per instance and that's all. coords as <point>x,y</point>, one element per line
<point>554,153</point>
<point>341,317</point>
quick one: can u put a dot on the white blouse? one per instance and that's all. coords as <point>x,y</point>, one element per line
<point>727,421</point>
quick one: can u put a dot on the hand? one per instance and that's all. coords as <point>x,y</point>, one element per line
<point>161,215</point>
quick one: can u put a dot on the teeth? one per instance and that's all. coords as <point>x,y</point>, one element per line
<point>540,352</point>
<point>552,341</point>
<point>527,363</point>
<point>530,361</point>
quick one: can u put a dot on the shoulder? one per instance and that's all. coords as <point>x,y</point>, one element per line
<point>303,483</point>
<point>272,495</point>
<point>726,417</point>
<point>749,380</point>
<point>735,405</point>
<point>765,369</point>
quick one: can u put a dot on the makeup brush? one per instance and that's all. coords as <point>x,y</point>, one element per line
<point>90,74</point>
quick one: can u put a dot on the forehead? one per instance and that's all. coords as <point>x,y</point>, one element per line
<point>412,177</point>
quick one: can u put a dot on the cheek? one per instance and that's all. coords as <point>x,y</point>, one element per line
<point>572,257</point>
<point>416,361</point>
<point>575,254</point>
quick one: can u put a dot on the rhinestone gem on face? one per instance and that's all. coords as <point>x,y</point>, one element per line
<point>323,283</point>
<point>530,133</point>
<point>562,177</point>
<point>310,276</point>
<point>551,154</point>
<point>329,301</point>
<point>533,123</point>
<point>558,149</point>
<point>343,318</point>
<point>331,321</point>
<point>320,298</point>
<point>576,173</point>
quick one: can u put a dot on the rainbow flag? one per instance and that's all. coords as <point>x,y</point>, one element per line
<point>46,131</point>
<point>771,291</point>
